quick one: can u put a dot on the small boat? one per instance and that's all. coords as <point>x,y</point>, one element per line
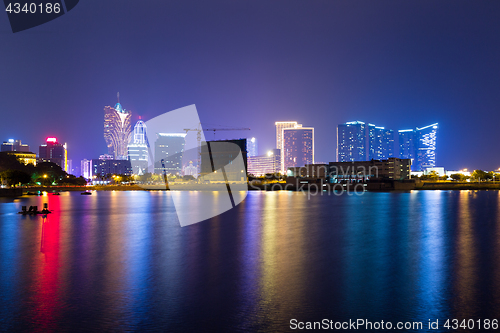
<point>34,210</point>
<point>86,193</point>
<point>56,193</point>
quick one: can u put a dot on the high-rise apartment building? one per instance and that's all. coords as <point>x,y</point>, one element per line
<point>55,152</point>
<point>138,150</point>
<point>298,146</point>
<point>351,142</point>
<point>117,130</point>
<point>280,125</point>
<point>169,148</point>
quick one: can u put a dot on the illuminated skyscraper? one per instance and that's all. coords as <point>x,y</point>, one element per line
<point>351,142</point>
<point>252,148</point>
<point>280,125</point>
<point>86,169</point>
<point>138,150</point>
<point>426,147</point>
<point>55,152</point>
<point>406,143</point>
<point>380,143</point>
<point>117,130</point>
<point>420,146</point>
<point>298,146</point>
<point>169,148</point>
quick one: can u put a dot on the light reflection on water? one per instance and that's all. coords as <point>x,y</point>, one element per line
<point>120,261</point>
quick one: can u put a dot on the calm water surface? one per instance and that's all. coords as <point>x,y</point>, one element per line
<point>119,261</point>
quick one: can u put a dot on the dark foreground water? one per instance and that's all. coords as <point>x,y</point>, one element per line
<point>119,261</point>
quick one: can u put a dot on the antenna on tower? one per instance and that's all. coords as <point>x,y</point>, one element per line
<point>118,97</point>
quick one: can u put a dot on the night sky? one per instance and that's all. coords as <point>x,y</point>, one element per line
<point>398,64</point>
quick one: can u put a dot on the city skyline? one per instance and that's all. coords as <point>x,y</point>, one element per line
<point>367,70</point>
<point>252,166</point>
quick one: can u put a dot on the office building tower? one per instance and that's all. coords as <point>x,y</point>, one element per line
<point>425,155</point>
<point>15,145</point>
<point>138,150</point>
<point>55,152</point>
<point>419,145</point>
<point>252,148</point>
<point>298,146</point>
<point>117,130</point>
<point>265,164</point>
<point>380,143</point>
<point>280,125</point>
<point>169,148</point>
<point>351,142</point>
<point>406,140</point>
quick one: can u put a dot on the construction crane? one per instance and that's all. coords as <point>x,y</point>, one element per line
<point>199,130</point>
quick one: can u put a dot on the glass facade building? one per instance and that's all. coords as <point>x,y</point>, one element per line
<point>138,150</point>
<point>351,142</point>
<point>425,147</point>
<point>252,148</point>
<point>406,140</point>
<point>419,145</point>
<point>298,147</point>
<point>169,148</point>
<point>380,143</point>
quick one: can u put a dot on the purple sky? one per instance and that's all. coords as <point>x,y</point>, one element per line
<point>398,64</point>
